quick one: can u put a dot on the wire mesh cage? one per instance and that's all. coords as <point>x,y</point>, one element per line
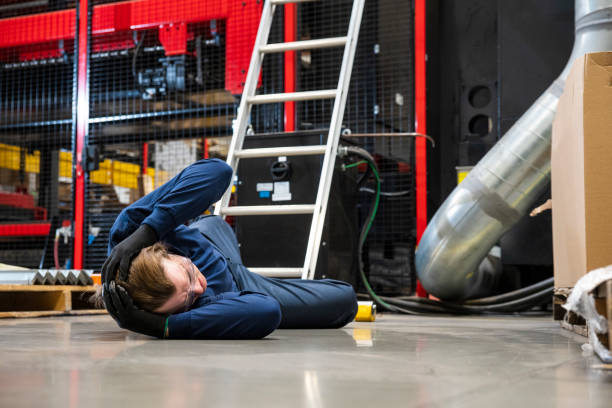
<point>165,80</point>
<point>36,84</point>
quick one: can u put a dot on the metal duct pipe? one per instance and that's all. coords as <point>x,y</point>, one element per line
<point>504,184</point>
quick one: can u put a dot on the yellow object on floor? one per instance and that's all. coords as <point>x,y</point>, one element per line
<point>366,312</point>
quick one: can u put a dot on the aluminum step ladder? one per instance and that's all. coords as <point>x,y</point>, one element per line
<point>249,98</point>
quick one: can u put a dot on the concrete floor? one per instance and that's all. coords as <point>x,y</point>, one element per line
<point>397,361</point>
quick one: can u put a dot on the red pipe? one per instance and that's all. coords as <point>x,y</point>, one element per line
<point>205,152</point>
<point>290,64</point>
<point>145,158</point>
<point>420,104</point>
<point>81,133</point>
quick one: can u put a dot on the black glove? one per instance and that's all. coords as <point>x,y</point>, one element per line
<point>122,254</point>
<point>108,302</point>
<point>128,316</point>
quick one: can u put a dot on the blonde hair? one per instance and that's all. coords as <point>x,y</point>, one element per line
<point>147,284</point>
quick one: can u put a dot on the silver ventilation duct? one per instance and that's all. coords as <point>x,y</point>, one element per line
<point>505,183</point>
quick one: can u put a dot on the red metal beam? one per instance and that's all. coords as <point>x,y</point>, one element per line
<point>241,23</point>
<point>25,230</point>
<point>81,133</point>
<point>420,104</point>
<point>110,18</point>
<point>145,158</point>
<point>290,68</point>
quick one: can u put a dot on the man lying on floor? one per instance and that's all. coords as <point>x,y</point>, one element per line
<point>168,280</point>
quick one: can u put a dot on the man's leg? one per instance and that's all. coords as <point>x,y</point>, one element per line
<point>305,304</point>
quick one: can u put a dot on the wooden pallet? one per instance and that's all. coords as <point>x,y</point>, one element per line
<point>43,300</point>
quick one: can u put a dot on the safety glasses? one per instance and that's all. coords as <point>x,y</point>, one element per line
<point>192,278</point>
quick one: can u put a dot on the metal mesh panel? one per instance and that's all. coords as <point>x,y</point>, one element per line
<point>164,82</point>
<point>36,85</point>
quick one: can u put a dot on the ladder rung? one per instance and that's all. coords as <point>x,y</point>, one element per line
<point>268,209</point>
<point>304,45</point>
<point>278,272</point>
<point>291,1</point>
<point>295,96</point>
<point>280,151</point>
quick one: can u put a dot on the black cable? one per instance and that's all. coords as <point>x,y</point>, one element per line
<point>135,58</point>
<point>386,193</point>
<point>516,305</point>
<point>527,290</point>
<point>357,151</point>
<point>497,299</point>
<point>521,304</point>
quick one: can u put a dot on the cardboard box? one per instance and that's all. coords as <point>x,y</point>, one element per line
<point>582,171</point>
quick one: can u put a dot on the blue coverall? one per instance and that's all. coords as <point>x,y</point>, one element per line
<point>237,303</point>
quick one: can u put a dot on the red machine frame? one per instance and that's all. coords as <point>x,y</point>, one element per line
<point>113,24</point>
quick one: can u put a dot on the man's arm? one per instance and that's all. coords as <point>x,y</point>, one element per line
<point>231,315</point>
<point>185,196</point>
<point>149,219</point>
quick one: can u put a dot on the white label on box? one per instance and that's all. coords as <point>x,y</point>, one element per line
<point>265,187</point>
<point>281,191</point>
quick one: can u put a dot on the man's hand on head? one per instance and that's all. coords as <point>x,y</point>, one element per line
<point>122,254</point>
<point>129,316</point>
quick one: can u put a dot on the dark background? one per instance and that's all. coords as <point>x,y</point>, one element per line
<point>510,50</point>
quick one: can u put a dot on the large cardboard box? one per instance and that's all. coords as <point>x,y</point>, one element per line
<point>582,171</point>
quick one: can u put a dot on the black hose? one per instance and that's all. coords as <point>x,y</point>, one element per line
<point>421,307</point>
<point>520,304</point>
<point>497,299</point>
<point>504,297</point>
<point>386,193</point>
<point>135,58</point>
<point>357,151</point>
<point>516,305</point>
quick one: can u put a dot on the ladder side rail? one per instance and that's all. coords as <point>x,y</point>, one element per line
<point>244,109</point>
<point>318,218</point>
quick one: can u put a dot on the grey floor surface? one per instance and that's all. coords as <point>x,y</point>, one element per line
<point>398,361</point>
